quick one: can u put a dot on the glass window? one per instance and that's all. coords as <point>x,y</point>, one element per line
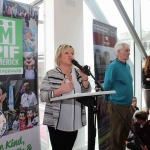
<point>145,24</point>
<point>115,19</point>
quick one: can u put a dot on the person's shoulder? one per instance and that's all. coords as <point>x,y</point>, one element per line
<point>23,94</point>
<point>112,65</point>
<point>33,94</point>
<point>52,70</point>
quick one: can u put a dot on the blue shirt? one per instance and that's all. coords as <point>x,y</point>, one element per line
<point>118,77</point>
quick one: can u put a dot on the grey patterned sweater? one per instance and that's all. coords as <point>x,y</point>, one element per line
<point>51,82</point>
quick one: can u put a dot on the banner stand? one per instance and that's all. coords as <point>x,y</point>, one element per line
<point>104,39</point>
<point>19,106</point>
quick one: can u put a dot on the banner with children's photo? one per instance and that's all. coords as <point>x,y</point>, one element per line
<point>19,113</point>
<point>104,39</point>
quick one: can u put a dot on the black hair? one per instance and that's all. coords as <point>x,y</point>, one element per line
<point>3,88</point>
<point>141,115</point>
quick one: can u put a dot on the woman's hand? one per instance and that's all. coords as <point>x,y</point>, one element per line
<point>83,75</point>
<point>66,87</point>
<point>147,79</point>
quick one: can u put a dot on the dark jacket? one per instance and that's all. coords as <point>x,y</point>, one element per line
<point>143,133</point>
<point>134,109</point>
<point>145,83</point>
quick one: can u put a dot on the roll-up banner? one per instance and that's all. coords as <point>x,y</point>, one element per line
<point>104,39</point>
<point>19,111</point>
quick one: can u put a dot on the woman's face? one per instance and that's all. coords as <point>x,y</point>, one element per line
<point>66,57</point>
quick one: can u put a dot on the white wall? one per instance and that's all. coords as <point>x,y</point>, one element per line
<point>68,25</point>
<point>63,24</point>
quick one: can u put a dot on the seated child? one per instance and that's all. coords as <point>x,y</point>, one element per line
<point>142,129</point>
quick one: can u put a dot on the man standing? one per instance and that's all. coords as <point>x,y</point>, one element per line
<point>118,77</point>
<point>28,99</point>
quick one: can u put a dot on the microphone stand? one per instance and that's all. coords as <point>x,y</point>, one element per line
<point>95,110</point>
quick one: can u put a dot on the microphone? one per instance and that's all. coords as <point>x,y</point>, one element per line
<point>88,72</point>
<point>83,69</point>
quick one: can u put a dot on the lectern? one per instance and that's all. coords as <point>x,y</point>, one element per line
<point>89,100</point>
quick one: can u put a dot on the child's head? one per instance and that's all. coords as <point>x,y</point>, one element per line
<point>22,115</point>
<point>134,101</point>
<point>29,113</point>
<point>141,116</point>
<point>29,67</point>
<point>34,113</point>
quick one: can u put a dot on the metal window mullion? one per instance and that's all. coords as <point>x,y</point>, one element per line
<point>130,27</point>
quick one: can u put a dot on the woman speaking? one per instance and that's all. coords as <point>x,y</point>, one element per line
<point>65,117</point>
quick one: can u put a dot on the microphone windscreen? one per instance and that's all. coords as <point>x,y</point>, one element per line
<point>74,62</point>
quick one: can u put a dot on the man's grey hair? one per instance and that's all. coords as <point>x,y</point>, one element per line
<point>119,46</point>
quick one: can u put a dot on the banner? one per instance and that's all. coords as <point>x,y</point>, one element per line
<point>19,111</point>
<point>104,39</point>
<point>11,61</point>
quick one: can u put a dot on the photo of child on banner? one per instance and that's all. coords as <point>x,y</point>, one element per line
<point>29,40</point>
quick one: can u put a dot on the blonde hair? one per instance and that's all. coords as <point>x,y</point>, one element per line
<point>146,67</point>
<point>59,51</point>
